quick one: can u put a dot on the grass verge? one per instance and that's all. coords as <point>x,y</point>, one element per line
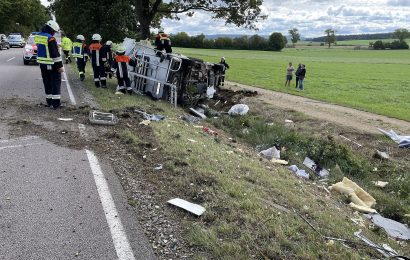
<point>242,193</point>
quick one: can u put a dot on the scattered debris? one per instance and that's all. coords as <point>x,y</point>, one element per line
<point>145,122</point>
<point>196,209</point>
<point>209,131</point>
<point>385,251</point>
<point>403,141</point>
<point>198,112</point>
<point>279,161</point>
<point>191,119</point>
<point>347,139</point>
<point>192,141</point>
<point>358,220</point>
<point>315,168</point>
<point>360,199</point>
<point>271,153</point>
<point>150,117</point>
<point>288,121</point>
<point>101,118</point>
<point>381,155</point>
<point>64,119</point>
<point>380,184</point>
<point>210,92</point>
<point>238,109</point>
<point>299,172</point>
<point>393,228</point>
<point>159,167</point>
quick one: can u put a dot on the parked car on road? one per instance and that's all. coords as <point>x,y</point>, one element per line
<point>16,40</point>
<point>30,51</point>
<point>4,43</point>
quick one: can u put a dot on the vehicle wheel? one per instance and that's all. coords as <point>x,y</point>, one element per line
<point>26,62</point>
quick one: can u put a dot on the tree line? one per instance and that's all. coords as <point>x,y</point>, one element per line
<point>23,16</point>
<point>275,42</point>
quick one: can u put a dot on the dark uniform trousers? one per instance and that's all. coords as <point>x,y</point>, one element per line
<point>81,66</point>
<point>99,74</point>
<point>52,84</point>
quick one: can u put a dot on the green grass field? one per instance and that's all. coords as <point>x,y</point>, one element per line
<point>374,81</point>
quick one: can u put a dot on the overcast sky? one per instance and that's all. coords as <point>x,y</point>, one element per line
<point>310,17</point>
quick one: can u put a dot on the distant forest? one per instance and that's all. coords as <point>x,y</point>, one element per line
<point>374,36</point>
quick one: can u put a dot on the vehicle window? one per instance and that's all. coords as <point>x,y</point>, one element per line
<point>15,37</point>
<point>30,40</point>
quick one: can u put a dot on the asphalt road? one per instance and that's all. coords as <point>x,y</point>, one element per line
<point>56,202</point>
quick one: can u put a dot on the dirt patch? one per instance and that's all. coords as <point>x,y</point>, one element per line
<point>348,117</point>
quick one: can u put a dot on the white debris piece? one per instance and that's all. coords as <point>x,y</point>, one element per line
<point>238,109</point>
<point>210,92</point>
<point>188,206</point>
<point>64,119</point>
<point>271,153</point>
<point>402,140</point>
<point>314,167</point>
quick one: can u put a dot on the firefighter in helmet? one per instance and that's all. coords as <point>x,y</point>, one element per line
<point>79,52</point>
<point>162,41</point>
<point>100,77</point>
<point>107,54</point>
<point>51,63</point>
<point>119,66</point>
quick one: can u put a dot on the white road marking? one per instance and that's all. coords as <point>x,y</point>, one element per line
<point>70,92</point>
<point>119,237</point>
<point>11,59</point>
<point>19,139</point>
<point>18,146</point>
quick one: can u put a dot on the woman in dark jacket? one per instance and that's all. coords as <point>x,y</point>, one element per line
<point>302,75</point>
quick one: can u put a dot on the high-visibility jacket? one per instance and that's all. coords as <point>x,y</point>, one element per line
<point>66,44</point>
<point>47,49</point>
<point>79,49</point>
<point>96,57</point>
<point>120,65</point>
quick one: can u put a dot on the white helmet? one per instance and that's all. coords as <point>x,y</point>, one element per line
<point>109,43</point>
<point>80,37</point>
<point>222,58</point>
<point>53,25</point>
<point>120,50</point>
<point>96,37</point>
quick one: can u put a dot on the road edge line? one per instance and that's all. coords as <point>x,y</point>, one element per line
<point>119,237</point>
<point>70,92</point>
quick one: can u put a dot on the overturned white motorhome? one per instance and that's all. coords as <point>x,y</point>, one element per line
<point>169,76</point>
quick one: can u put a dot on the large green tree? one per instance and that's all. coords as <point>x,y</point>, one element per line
<point>401,34</point>
<point>330,37</point>
<point>114,19</point>
<point>277,41</point>
<point>294,35</point>
<point>22,16</point>
<point>238,12</point>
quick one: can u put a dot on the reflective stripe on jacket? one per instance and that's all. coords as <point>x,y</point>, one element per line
<point>43,52</point>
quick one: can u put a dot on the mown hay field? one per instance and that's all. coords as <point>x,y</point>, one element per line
<point>369,80</point>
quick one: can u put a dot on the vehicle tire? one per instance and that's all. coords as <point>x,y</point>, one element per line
<point>26,62</point>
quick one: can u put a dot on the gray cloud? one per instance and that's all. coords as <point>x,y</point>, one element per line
<point>398,2</point>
